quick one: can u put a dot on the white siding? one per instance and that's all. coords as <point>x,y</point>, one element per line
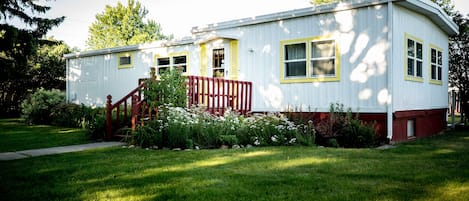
<point>409,95</point>
<point>361,35</point>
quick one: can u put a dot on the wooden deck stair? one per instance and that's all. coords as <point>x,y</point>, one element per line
<point>215,94</point>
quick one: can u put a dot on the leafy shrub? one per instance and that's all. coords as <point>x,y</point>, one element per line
<point>146,136</point>
<point>37,108</point>
<point>229,140</point>
<point>344,130</point>
<point>306,135</point>
<point>74,115</point>
<point>358,134</point>
<point>96,125</point>
<point>67,115</point>
<point>334,125</point>
<point>170,89</point>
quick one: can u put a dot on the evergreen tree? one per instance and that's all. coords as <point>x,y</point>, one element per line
<point>17,45</point>
<point>123,25</point>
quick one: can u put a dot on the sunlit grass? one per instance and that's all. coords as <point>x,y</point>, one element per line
<point>15,135</point>
<point>435,168</point>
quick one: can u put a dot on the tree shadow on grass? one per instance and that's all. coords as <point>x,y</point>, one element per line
<point>413,171</point>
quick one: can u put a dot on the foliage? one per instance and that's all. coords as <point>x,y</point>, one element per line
<point>458,54</point>
<point>333,126</point>
<point>170,89</point>
<point>318,2</point>
<point>342,129</point>
<point>97,125</point>
<point>123,25</point>
<point>48,65</point>
<point>17,46</point>
<point>145,136</point>
<point>459,61</point>
<point>358,134</point>
<point>177,127</point>
<point>37,109</point>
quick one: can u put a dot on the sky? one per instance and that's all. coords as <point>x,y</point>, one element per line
<point>176,17</point>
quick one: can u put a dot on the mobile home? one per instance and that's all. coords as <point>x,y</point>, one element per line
<point>386,59</point>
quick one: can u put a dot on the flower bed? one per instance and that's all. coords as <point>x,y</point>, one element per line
<point>183,128</point>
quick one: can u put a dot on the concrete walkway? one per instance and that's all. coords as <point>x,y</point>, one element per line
<point>55,150</point>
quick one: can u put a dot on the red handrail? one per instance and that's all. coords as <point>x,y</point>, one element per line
<point>215,94</point>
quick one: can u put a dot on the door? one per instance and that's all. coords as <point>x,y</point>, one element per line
<point>218,63</point>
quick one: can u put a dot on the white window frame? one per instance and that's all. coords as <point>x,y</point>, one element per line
<point>438,64</point>
<point>172,65</point>
<point>415,60</point>
<point>322,59</point>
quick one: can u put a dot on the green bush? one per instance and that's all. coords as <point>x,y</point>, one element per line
<point>358,135</point>
<point>342,129</point>
<point>37,108</point>
<point>146,136</point>
<point>96,125</point>
<point>170,89</point>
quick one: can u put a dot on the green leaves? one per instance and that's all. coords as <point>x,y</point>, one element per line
<point>123,25</point>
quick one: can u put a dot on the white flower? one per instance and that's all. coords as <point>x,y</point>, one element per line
<point>274,138</point>
<point>293,140</point>
<point>256,142</point>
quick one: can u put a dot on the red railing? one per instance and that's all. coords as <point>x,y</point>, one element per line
<point>215,94</point>
<point>121,110</point>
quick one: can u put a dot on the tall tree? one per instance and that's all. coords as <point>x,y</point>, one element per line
<point>17,45</point>
<point>48,65</point>
<point>458,54</point>
<point>123,25</point>
<point>459,61</point>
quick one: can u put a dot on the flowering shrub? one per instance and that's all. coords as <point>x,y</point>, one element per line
<point>185,128</point>
<point>342,129</point>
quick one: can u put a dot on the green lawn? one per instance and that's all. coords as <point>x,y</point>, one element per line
<point>435,168</point>
<point>15,135</point>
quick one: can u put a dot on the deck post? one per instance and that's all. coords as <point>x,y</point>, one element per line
<point>109,118</point>
<point>134,112</point>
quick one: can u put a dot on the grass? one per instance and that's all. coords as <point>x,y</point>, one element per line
<point>15,135</point>
<point>435,168</point>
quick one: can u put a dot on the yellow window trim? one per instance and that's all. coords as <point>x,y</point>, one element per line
<point>234,59</point>
<point>406,76</point>
<point>203,60</point>
<point>170,56</point>
<point>432,81</point>
<point>308,41</point>
<point>125,54</point>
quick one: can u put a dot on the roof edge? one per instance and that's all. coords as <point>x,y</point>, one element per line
<point>156,44</point>
<point>432,11</point>
<point>325,8</point>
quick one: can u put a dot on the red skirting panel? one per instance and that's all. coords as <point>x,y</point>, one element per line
<point>425,122</point>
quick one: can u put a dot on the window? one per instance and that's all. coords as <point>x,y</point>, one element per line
<point>174,61</point>
<point>162,64</point>
<point>323,58</point>
<point>436,65</point>
<point>309,60</point>
<point>180,63</point>
<point>218,62</point>
<point>414,59</point>
<point>295,60</point>
<point>125,60</point>
<point>411,128</point>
